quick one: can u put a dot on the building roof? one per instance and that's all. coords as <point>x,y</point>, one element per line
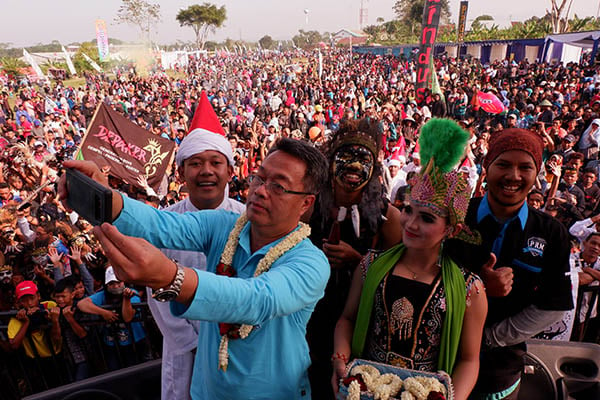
<point>349,32</point>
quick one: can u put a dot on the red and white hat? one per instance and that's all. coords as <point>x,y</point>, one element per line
<point>397,158</point>
<point>206,133</point>
<point>26,288</point>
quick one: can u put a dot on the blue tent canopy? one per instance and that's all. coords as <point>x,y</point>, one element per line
<point>587,40</point>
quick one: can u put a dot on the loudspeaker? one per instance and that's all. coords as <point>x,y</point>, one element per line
<point>561,371</point>
<point>139,382</point>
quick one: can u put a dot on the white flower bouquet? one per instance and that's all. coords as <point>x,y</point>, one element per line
<point>367,380</point>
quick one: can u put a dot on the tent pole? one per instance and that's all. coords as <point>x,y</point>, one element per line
<point>594,52</point>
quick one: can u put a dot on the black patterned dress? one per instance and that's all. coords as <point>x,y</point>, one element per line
<point>407,319</point>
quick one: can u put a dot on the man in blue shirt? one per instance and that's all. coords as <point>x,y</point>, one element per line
<point>272,361</point>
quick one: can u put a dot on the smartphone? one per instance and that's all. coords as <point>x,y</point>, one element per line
<point>91,200</point>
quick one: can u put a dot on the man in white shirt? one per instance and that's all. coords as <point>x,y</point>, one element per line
<point>585,227</point>
<point>205,162</point>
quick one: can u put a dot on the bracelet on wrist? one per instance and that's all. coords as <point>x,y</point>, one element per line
<point>339,356</point>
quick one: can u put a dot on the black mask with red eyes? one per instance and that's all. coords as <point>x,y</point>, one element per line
<point>353,166</point>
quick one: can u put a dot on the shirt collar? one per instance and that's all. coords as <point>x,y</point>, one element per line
<point>244,241</point>
<point>484,210</point>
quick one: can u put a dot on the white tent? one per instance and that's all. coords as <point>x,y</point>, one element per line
<point>567,47</point>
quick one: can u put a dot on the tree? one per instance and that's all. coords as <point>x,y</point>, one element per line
<point>476,24</point>
<point>202,19</point>
<point>559,14</point>
<point>139,13</point>
<point>11,65</point>
<point>410,12</point>
<point>309,39</point>
<point>266,42</point>
<point>577,24</point>
<point>90,49</point>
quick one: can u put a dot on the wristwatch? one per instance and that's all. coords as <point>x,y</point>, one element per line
<point>170,292</point>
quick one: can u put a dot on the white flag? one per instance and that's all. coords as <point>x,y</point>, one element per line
<point>33,64</point>
<point>92,63</point>
<point>49,106</point>
<point>69,61</point>
<point>320,64</point>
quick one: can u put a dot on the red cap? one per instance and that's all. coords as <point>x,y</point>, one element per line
<point>25,288</point>
<point>205,117</point>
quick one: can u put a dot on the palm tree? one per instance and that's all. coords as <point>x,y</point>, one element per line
<point>12,65</point>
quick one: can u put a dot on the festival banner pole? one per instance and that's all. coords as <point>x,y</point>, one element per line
<point>462,21</point>
<point>431,20</point>
<point>79,156</point>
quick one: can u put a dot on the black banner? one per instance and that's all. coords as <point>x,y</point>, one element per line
<point>431,20</point>
<point>462,20</point>
<point>130,151</point>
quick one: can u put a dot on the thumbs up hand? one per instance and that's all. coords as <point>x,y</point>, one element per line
<point>498,282</point>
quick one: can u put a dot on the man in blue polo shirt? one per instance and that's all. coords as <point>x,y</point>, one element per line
<point>272,361</point>
<point>523,259</point>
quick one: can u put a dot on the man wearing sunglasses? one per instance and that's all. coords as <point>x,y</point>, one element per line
<point>272,361</point>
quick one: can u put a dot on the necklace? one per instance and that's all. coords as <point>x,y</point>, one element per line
<point>411,271</point>
<point>414,274</point>
<point>237,331</point>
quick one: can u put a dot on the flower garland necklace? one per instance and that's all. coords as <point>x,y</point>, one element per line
<point>237,331</point>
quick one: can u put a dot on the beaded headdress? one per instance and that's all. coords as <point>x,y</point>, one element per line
<point>6,267</point>
<point>359,132</point>
<point>77,239</point>
<point>39,252</point>
<point>439,185</point>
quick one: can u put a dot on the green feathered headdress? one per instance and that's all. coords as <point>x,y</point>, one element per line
<point>444,142</point>
<point>439,186</point>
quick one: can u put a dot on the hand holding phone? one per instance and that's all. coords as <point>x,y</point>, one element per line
<point>91,200</point>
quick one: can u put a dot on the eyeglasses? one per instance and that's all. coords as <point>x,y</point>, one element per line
<point>273,187</point>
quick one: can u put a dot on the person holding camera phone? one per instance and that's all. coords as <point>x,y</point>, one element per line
<point>205,163</point>
<point>36,329</point>
<point>254,306</point>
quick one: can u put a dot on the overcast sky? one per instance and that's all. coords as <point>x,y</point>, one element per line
<point>28,22</point>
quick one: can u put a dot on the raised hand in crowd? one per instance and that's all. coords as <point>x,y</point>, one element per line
<point>76,254</point>
<point>54,256</point>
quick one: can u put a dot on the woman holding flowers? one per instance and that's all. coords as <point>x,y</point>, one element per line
<point>412,306</point>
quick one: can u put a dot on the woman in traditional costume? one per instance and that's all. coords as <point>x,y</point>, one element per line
<point>412,306</point>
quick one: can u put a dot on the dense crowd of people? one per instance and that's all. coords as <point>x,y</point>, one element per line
<point>55,273</point>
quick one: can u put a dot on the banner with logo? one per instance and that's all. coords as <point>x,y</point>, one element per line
<point>462,20</point>
<point>102,39</point>
<point>130,151</point>
<point>431,20</point>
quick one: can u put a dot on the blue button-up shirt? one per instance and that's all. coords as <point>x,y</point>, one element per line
<point>484,210</point>
<point>272,362</point>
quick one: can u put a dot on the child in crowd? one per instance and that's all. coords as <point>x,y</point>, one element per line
<point>119,336</point>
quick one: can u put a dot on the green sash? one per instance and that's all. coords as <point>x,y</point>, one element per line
<point>454,287</point>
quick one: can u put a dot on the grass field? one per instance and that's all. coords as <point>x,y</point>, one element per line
<point>75,82</point>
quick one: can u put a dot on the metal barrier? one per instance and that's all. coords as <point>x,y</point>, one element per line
<point>21,375</point>
<point>580,329</point>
